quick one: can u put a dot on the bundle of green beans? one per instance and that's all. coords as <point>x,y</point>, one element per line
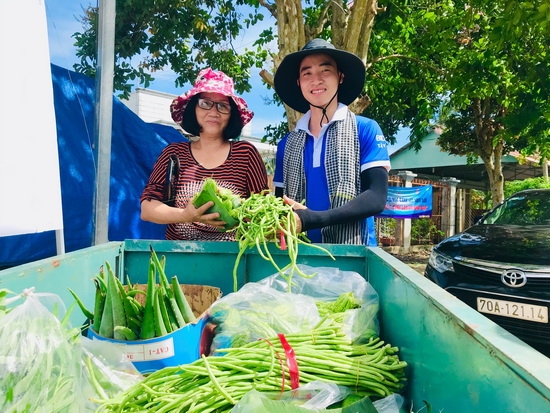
<point>120,315</point>
<point>265,218</point>
<point>217,383</point>
<point>39,362</point>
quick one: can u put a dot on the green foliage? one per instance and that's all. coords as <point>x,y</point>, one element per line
<point>274,133</point>
<point>404,71</point>
<point>512,187</point>
<point>269,162</point>
<point>387,227</point>
<point>480,200</point>
<point>479,68</point>
<point>184,36</point>
<point>493,86</point>
<point>424,231</point>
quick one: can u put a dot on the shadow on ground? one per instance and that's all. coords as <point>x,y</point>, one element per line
<point>416,257</point>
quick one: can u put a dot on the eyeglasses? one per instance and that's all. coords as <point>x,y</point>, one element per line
<point>221,107</point>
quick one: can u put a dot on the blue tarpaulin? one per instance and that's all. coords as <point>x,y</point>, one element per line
<point>135,145</point>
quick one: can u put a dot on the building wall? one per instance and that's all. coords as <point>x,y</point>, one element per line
<point>151,106</point>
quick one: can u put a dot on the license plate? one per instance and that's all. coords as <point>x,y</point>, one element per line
<point>512,309</point>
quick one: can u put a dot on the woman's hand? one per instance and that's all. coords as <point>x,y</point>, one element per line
<point>160,213</point>
<point>199,215</point>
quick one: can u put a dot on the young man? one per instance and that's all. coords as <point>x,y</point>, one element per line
<point>334,160</point>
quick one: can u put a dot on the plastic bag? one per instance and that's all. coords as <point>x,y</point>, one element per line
<point>311,396</point>
<point>38,370</point>
<point>106,370</point>
<point>328,284</point>
<point>258,311</point>
<point>321,395</point>
<point>391,404</point>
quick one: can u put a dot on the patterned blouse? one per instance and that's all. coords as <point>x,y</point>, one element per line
<point>243,172</point>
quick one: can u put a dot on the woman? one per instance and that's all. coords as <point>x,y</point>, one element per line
<point>215,116</point>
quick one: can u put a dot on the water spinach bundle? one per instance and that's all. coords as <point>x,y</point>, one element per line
<point>119,313</point>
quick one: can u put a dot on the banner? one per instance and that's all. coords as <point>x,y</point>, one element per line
<point>29,163</point>
<point>403,202</point>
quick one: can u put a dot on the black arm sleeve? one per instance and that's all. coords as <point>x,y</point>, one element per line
<point>371,201</point>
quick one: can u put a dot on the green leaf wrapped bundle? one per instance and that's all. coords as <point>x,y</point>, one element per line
<point>224,200</point>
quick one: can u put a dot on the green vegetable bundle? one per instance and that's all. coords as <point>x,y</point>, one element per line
<point>251,314</point>
<point>225,202</point>
<point>335,309</point>
<point>39,362</point>
<point>258,220</point>
<point>119,314</point>
<point>263,219</point>
<point>216,384</point>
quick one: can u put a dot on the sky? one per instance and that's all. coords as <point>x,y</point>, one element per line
<point>62,21</point>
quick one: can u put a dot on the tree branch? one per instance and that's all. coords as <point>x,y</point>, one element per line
<point>267,77</point>
<point>404,57</point>
<point>312,32</point>
<point>272,10</point>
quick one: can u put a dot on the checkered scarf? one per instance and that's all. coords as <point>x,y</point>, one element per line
<point>343,173</point>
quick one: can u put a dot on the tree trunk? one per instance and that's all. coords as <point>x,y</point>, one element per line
<point>290,28</point>
<point>351,31</point>
<point>496,178</point>
<point>490,152</point>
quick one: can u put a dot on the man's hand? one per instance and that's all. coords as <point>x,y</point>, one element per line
<point>295,206</point>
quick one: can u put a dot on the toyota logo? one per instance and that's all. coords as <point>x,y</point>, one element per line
<point>513,278</point>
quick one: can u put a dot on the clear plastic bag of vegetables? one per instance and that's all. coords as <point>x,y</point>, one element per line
<point>106,370</point>
<point>38,370</point>
<point>314,396</point>
<point>258,311</point>
<point>344,295</point>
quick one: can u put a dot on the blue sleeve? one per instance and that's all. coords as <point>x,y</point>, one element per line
<point>373,144</point>
<point>278,174</point>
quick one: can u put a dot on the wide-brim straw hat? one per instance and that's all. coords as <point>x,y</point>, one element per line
<point>286,76</point>
<point>211,81</point>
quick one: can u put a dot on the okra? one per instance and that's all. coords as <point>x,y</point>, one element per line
<point>148,323</point>
<point>119,316</point>
<point>99,305</point>
<point>182,302</point>
<point>160,326</point>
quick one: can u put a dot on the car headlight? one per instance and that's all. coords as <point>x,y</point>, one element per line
<point>440,262</point>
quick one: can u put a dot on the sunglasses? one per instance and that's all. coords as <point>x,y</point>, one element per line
<point>221,107</point>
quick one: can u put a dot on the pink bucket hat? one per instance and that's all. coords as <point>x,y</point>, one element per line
<point>209,80</point>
